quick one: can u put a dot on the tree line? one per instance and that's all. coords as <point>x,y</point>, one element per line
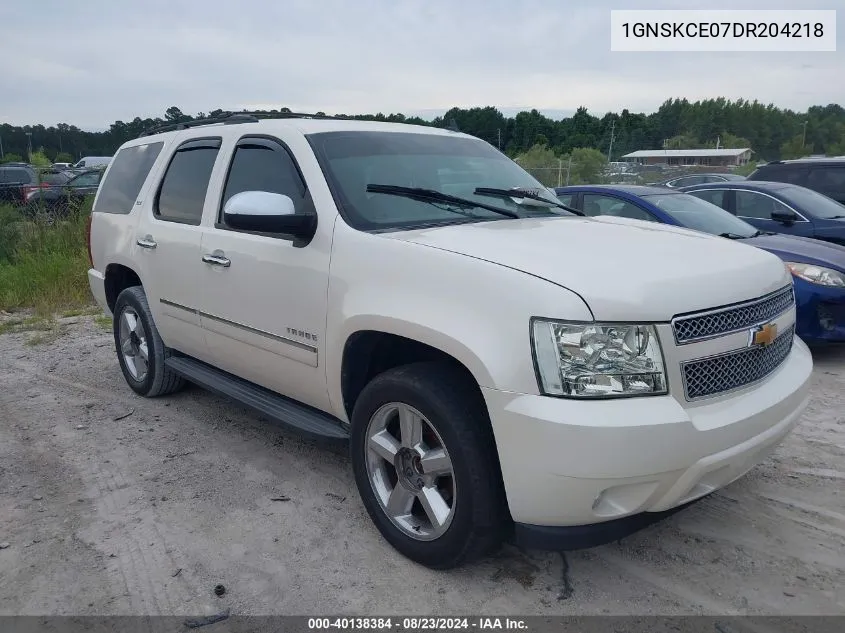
<point>773,133</point>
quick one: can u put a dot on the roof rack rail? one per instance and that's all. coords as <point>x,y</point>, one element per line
<point>231,118</point>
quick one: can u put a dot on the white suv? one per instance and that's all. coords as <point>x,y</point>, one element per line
<point>499,366</point>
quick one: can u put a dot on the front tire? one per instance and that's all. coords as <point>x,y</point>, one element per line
<point>140,350</point>
<point>426,467</point>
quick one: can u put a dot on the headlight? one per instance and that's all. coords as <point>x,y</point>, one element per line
<point>594,360</point>
<point>817,274</point>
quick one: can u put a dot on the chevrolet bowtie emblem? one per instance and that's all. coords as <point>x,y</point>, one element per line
<point>763,335</point>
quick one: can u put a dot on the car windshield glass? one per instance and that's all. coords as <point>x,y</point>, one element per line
<point>699,215</point>
<point>813,202</point>
<point>452,165</point>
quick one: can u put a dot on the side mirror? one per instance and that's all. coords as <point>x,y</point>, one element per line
<point>784,217</point>
<point>267,212</point>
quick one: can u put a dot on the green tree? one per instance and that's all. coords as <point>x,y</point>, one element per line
<point>587,166</point>
<point>793,148</point>
<point>63,157</point>
<point>39,159</point>
<point>12,158</point>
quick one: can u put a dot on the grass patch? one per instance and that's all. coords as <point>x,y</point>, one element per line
<point>43,265</point>
<point>75,312</point>
<point>43,338</point>
<point>28,324</point>
<point>104,321</point>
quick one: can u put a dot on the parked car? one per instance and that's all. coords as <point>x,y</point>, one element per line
<point>89,162</point>
<point>697,179</point>
<point>825,175</point>
<point>818,268</point>
<point>67,192</point>
<point>18,183</point>
<point>779,207</point>
<point>62,166</point>
<point>495,365</point>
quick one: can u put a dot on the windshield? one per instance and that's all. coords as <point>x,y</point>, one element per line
<point>813,202</point>
<point>451,165</point>
<point>699,215</point>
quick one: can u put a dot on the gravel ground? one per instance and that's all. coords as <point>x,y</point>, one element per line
<point>114,504</point>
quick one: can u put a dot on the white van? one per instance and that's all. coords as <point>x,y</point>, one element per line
<point>93,162</point>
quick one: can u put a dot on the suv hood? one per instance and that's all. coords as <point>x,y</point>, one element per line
<point>626,270</point>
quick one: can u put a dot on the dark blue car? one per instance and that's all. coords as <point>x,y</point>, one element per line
<point>778,207</point>
<point>818,268</point>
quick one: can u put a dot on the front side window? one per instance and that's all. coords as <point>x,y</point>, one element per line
<point>182,194</point>
<point>694,213</point>
<point>596,204</point>
<point>817,204</point>
<point>567,198</point>
<point>450,165</point>
<point>751,204</point>
<point>127,174</point>
<point>264,165</point>
<point>85,180</point>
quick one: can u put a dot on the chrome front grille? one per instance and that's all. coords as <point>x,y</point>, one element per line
<point>732,370</point>
<point>734,318</point>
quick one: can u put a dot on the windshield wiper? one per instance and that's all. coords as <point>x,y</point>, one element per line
<point>430,195</point>
<point>522,193</point>
<point>735,236</point>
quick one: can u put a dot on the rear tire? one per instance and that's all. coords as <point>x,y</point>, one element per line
<point>426,466</point>
<point>140,350</point>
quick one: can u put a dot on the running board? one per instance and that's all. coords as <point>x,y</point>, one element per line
<point>299,418</point>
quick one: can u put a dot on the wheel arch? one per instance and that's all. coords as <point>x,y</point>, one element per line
<point>118,277</point>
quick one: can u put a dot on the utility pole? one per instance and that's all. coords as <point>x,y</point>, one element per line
<point>569,169</point>
<point>499,135</point>
<point>29,144</point>
<point>718,140</point>
<point>2,155</point>
<point>804,137</point>
<point>610,149</point>
<point>559,171</point>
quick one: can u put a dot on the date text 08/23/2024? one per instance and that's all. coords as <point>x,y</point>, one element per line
<point>415,624</point>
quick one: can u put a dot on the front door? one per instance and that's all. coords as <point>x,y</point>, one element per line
<point>264,297</point>
<point>756,208</point>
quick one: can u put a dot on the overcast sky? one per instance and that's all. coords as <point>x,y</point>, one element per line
<point>91,62</point>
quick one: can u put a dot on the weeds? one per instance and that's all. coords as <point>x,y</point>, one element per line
<point>27,324</point>
<point>44,262</point>
<point>104,321</point>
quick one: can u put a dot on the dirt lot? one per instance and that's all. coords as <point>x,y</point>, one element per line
<point>113,504</point>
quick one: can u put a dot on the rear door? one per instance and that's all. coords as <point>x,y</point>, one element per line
<point>167,244</point>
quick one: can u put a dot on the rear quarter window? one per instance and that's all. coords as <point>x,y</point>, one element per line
<point>124,180</point>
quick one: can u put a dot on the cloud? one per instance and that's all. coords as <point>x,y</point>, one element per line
<point>94,62</point>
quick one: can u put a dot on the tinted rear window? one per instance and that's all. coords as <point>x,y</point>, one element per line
<point>54,178</point>
<point>796,175</point>
<point>21,176</point>
<point>128,172</point>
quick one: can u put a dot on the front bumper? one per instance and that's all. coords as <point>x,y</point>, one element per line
<point>820,312</point>
<point>574,463</point>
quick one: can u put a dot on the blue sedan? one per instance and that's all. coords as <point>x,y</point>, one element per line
<point>818,268</point>
<point>778,207</point>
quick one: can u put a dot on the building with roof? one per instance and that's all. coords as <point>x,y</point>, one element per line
<point>691,157</point>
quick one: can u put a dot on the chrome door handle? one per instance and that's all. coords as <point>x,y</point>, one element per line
<point>146,242</point>
<point>217,259</point>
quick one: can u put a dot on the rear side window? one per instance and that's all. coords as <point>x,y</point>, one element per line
<point>264,165</point>
<point>713,196</point>
<point>182,193</point>
<point>827,178</point>
<point>18,176</point>
<point>796,175</point>
<point>128,172</point>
